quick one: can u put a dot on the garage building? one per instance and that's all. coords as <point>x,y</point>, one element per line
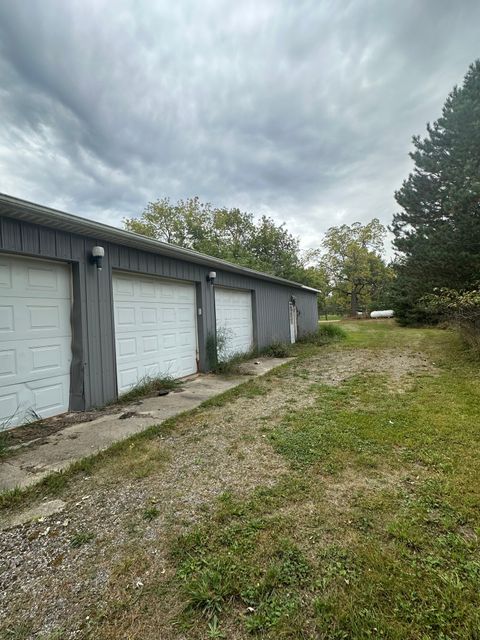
<point>73,336</point>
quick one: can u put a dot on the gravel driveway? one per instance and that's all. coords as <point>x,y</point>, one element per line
<point>60,575</point>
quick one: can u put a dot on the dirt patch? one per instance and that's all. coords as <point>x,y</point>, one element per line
<point>36,431</point>
<point>342,364</point>
<point>43,428</point>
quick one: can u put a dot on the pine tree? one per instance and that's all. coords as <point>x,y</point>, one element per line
<point>437,233</point>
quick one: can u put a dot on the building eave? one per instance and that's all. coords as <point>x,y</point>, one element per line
<point>19,209</point>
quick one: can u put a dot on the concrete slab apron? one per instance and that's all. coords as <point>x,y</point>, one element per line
<point>58,451</point>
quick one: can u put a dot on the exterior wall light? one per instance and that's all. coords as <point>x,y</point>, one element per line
<point>97,257</point>
<point>211,277</point>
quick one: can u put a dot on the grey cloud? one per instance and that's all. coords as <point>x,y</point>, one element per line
<point>301,110</point>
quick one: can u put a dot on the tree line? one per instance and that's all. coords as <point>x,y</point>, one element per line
<point>348,270</point>
<point>436,230</point>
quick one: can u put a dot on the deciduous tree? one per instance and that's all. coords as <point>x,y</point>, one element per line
<point>229,234</point>
<point>353,261</point>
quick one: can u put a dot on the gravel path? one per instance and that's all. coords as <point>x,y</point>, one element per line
<point>60,574</point>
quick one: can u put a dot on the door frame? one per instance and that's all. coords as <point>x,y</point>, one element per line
<point>293,321</point>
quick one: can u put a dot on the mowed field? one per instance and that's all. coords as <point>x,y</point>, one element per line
<point>337,497</point>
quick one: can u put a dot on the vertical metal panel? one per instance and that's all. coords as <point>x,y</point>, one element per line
<point>107,331</point>
<point>113,251</point>
<point>93,306</point>
<point>150,263</point>
<point>30,238</point>
<point>134,262</point>
<point>63,247</point>
<point>142,262</point>
<point>11,235</point>
<point>46,241</point>
<point>124,257</point>
<point>94,347</point>
<point>79,400</point>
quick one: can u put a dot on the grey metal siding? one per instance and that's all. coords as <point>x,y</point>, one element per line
<point>271,304</point>
<point>93,366</point>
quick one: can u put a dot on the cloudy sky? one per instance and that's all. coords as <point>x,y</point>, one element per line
<point>302,109</point>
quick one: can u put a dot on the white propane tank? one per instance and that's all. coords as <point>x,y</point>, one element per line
<point>382,314</point>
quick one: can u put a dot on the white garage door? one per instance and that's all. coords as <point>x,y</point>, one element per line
<point>35,339</point>
<point>233,310</point>
<point>155,328</point>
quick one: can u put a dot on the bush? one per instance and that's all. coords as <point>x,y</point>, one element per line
<point>460,309</point>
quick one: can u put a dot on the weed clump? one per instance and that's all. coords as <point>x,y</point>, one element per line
<point>277,350</point>
<point>81,538</point>
<point>323,335</point>
<point>148,386</point>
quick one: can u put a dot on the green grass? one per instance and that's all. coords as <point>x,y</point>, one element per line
<point>381,334</point>
<point>325,334</point>
<point>150,513</point>
<point>329,317</point>
<point>81,538</point>
<point>374,532</point>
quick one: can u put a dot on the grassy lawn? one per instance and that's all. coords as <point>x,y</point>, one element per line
<point>366,526</point>
<point>329,317</point>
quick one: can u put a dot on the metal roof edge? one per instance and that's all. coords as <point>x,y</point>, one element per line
<point>40,214</point>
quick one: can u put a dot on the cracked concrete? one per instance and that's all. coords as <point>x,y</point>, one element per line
<point>30,463</point>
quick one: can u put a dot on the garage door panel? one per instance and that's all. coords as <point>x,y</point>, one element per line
<point>127,378</point>
<point>150,344</point>
<point>7,314</point>
<point>42,397</point>
<point>234,322</point>
<point>9,406</point>
<point>184,316</point>
<point>27,318</point>
<point>125,317</point>
<point>35,339</point>
<point>47,358</point>
<point>8,365</point>
<point>20,278</point>
<point>126,347</point>
<point>149,316</point>
<point>161,317</point>
<point>123,286</point>
<point>147,290</point>
<point>24,360</point>
<point>5,276</point>
<point>168,316</point>
<point>43,279</point>
<point>49,398</point>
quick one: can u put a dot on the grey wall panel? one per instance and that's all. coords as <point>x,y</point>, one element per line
<point>11,235</point>
<point>94,374</point>
<point>63,245</point>
<point>30,238</point>
<point>107,330</point>
<point>46,241</point>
